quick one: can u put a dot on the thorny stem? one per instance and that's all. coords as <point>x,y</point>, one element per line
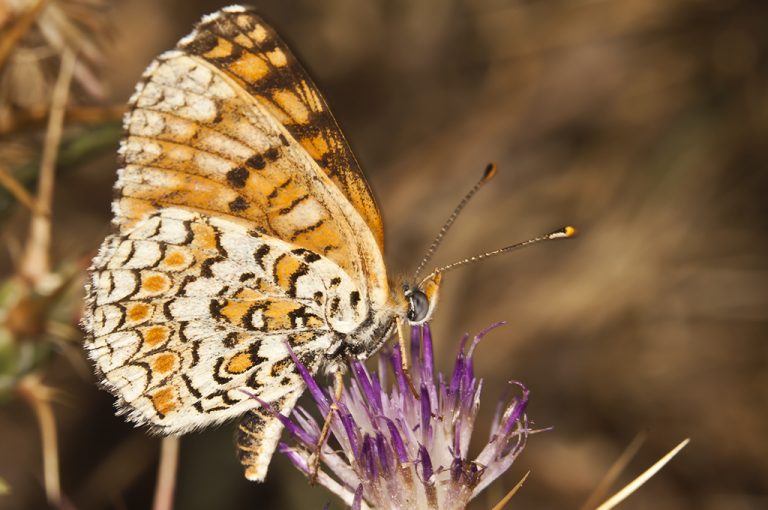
<point>36,262</point>
<point>166,473</point>
<point>38,397</point>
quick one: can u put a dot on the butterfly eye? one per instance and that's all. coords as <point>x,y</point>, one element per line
<point>418,306</point>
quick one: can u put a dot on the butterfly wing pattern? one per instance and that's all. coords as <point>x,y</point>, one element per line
<point>243,225</point>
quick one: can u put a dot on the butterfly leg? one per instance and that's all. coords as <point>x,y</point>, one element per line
<point>315,459</point>
<point>403,340</point>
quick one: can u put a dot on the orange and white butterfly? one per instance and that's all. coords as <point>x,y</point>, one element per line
<point>243,222</point>
<point>244,225</point>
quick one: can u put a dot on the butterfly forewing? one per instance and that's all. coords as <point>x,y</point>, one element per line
<point>251,53</point>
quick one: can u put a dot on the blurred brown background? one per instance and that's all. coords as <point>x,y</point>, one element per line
<point>642,122</point>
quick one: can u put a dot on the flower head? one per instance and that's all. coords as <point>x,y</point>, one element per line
<point>397,451</point>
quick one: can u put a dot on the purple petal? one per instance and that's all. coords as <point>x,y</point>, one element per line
<point>384,455</point>
<point>397,367</point>
<point>426,416</point>
<point>429,358</point>
<point>458,369</point>
<point>376,383</point>
<point>357,501</point>
<point>294,457</point>
<point>426,464</point>
<point>361,374</point>
<point>368,457</point>
<point>296,431</point>
<point>314,389</point>
<point>476,341</point>
<point>397,441</point>
<point>415,345</point>
<point>517,411</point>
<point>480,336</point>
<point>348,421</point>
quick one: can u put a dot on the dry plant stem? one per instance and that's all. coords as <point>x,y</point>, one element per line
<point>18,191</point>
<point>640,480</point>
<point>166,473</point>
<point>613,473</point>
<point>38,397</point>
<point>36,261</point>
<point>18,29</point>
<point>501,504</point>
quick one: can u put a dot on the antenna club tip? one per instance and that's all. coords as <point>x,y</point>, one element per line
<point>490,171</point>
<point>569,231</point>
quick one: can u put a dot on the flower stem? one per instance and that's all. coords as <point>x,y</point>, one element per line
<point>166,473</point>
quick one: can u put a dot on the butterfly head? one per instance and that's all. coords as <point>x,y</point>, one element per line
<point>422,299</point>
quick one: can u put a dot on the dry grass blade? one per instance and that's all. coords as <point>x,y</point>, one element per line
<point>166,473</point>
<point>35,262</point>
<point>614,472</point>
<point>640,480</point>
<point>501,504</point>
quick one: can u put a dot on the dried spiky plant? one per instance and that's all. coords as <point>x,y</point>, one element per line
<point>36,36</point>
<point>49,53</point>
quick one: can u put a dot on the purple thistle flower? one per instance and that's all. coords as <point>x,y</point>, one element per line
<point>398,452</point>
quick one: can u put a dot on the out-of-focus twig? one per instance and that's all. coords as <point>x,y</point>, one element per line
<point>31,117</point>
<point>20,27</point>
<point>119,470</point>
<point>19,192</point>
<point>613,473</point>
<point>166,473</point>
<point>39,397</point>
<point>35,263</point>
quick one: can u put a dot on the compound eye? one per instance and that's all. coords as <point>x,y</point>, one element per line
<point>418,306</point>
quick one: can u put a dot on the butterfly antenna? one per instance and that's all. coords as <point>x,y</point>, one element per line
<point>488,174</point>
<point>562,233</point>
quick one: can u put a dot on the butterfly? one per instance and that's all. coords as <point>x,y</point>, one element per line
<point>243,226</point>
<point>244,229</point>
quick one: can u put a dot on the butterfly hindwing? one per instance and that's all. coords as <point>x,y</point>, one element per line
<point>187,311</point>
